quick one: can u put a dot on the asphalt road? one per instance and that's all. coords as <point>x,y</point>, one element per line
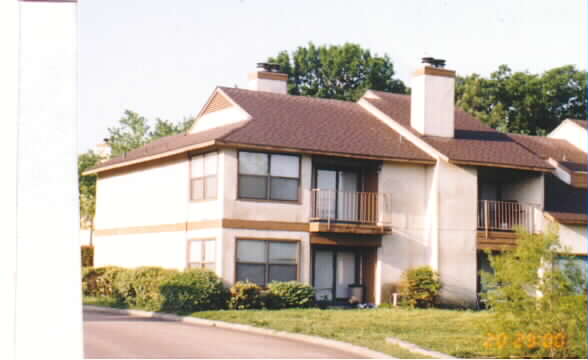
<point>120,336</point>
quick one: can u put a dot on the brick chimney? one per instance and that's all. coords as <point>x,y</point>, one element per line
<point>268,77</point>
<point>432,99</point>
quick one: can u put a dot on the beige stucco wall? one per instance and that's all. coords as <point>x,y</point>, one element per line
<point>150,196</point>
<point>166,249</point>
<point>458,194</point>
<point>406,246</point>
<point>223,117</point>
<point>528,189</point>
<point>264,210</point>
<point>571,132</point>
<point>573,237</point>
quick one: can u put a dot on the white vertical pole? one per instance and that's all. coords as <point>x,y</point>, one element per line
<point>8,115</point>
<point>48,292</point>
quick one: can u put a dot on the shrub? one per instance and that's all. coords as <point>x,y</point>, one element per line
<point>99,281</point>
<point>420,287</point>
<point>193,290</point>
<point>246,295</point>
<point>140,287</point>
<point>537,299</point>
<point>87,255</point>
<point>290,294</point>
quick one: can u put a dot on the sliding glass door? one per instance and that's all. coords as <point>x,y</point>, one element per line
<point>340,198</point>
<point>334,270</point>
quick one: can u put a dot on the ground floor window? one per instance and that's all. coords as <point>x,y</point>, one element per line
<point>201,254</point>
<point>264,261</point>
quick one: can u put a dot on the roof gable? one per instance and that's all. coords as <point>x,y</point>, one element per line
<point>474,142</point>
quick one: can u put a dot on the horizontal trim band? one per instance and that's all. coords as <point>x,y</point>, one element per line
<point>206,224</point>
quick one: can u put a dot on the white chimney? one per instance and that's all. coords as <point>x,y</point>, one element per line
<point>268,78</point>
<point>432,99</point>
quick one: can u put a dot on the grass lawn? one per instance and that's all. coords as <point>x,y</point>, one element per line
<point>449,331</point>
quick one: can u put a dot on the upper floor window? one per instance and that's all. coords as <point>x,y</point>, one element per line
<point>268,176</point>
<point>203,181</point>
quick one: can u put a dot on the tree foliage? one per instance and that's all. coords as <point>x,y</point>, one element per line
<point>135,131</point>
<point>522,102</point>
<point>341,72</point>
<point>87,188</point>
<point>538,297</point>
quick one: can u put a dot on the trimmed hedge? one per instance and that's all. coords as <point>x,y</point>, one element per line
<point>87,255</point>
<point>193,290</point>
<point>100,281</point>
<point>290,294</point>
<point>140,287</point>
<point>246,295</point>
<point>158,289</point>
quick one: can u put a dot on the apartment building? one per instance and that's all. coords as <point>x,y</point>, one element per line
<point>267,186</point>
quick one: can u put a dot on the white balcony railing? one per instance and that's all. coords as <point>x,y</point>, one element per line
<point>506,216</point>
<point>349,207</point>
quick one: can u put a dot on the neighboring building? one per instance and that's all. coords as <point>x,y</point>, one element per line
<point>267,186</point>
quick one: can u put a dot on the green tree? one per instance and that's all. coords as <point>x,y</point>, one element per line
<point>165,128</point>
<point>538,299</point>
<point>132,132</point>
<point>87,188</point>
<point>337,72</point>
<point>522,102</point>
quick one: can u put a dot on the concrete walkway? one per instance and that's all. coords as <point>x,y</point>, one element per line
<point>121,336</point>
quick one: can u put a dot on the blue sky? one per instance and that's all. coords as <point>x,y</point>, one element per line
<point>162,58</point>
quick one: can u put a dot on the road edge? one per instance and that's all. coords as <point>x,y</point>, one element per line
<point>334,344</point>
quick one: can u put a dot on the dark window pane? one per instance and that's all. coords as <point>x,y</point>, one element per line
<point>283,252</point>
<point>284,189</point>
<point>282,272</point>
<point>251,272</point>
<point>253,187</point>
<point>197,189</point>
<point>284,165</point>
<point>210,187</point>
<point>251,251</point>
<point>253,163</point>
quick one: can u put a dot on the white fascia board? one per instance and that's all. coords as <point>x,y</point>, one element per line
<point>403,131</point>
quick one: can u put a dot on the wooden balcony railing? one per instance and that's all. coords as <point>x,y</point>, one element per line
<point>506,216</point>
<point>348,207</point>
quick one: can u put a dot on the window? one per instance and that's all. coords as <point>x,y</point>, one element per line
<point>203,183</point>
<point>264,261</point>
<point>201,254</point>
<point>268,176</point>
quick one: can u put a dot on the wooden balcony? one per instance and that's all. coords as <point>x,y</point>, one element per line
<point>498,221</point>
<point>348,212</point>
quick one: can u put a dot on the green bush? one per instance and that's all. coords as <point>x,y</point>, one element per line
<point>193,290</point>
<point>538,300</point>
<point>246,295</point>
<point>99,281</point>
<point>420,287</point>
<point>140,287</point>
<point>290,294</point>
<point>87,255</point>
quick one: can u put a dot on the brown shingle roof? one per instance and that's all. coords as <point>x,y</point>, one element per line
<point>558,149</point>
<point>168,144</point>
<point>473,142</point>
<point>313,124</point>
<point>296,122</point>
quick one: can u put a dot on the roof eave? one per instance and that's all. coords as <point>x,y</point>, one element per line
<point>506,166</point>
<point>193,147</point>
<point>228,144</point>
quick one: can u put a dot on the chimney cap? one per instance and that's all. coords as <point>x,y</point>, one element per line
<point>437,63</point>
<point>272,67</point>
